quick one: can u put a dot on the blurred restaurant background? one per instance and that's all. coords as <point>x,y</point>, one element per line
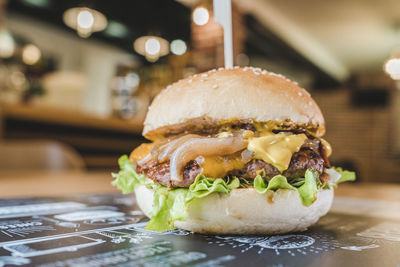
<point>76,76</point>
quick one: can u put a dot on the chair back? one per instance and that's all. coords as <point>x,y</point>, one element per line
<point>39,156</point>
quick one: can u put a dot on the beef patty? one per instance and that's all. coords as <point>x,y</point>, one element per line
<point>310,156</point>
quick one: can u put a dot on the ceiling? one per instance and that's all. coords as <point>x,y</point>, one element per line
<point>360,33</point>
<point>168,18</point>
<point>341,36</point>
<point>268,50</point>
<point>330,39</point>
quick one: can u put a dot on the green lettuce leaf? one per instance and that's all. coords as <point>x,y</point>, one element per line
<point>204,186</point>
<point>346,175</point>
<point>127,178</point>
<point>277,182</point>
<point>297,182</point>
<point>168,206</point>
<point>308,191</point>
<point>244,183</point>
<point>171,205</point>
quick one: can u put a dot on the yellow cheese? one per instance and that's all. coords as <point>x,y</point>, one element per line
<point>220,166</point>
<point>141,151</point>
<point>276,149</point>
<point>327,147</point>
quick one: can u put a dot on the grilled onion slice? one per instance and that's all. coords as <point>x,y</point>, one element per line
<point>205,146</point>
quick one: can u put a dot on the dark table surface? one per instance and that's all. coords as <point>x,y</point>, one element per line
<point>108,230</point>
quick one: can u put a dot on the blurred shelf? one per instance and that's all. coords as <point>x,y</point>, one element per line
<point>102,162</point>
<point>100,141</point>
<point>83,141</point>
<point>69,118</point>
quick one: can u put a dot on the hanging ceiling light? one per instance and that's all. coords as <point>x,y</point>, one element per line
<point>200,16</point>
<point>31,54</point>
<point>7,44</point>
<point>178,47</point>
<point>392,67</point>
<point>85,20</point>
<point>152,47</point>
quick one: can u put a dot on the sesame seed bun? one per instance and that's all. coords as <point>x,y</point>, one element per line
<point>238,94</point>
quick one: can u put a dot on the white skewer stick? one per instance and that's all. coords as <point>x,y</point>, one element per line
<point>223,16</point>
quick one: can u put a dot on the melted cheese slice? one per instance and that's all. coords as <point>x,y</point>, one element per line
<point>276,149</point>
<point>327,147</point>
<point>141,151</point>
<point>220,166</point>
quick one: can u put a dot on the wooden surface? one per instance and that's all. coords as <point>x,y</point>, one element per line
<point>54,184</point>
<point>99,140</point>
<point>373,191</point>
<point>69,118</point>
<point>69,183</point>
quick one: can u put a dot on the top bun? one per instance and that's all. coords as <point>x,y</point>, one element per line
<point>238,94</point>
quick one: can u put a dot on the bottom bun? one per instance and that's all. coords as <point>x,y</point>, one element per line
<point>244,211</point>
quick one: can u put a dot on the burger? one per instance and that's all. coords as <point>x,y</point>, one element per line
<point>233,151</point>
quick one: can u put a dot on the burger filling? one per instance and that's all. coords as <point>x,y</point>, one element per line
<point>177,161</point>
<point>187,166</point>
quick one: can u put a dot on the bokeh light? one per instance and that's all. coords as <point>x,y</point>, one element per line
<point>178,47</point>
<point>7,44</point>
<point>200,16</point>
<point>152,46</point>
<point>392,67</point>
<point>85,19</point>
<point>31,54</point>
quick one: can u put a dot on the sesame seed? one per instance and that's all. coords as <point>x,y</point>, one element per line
<point>214,86</point>
<point>264,72</point>
<point>220,68</point>
<point>190,81</point>
<point>194,76</point>
<point>236,67</point>
<point>204,75</point>
<point>169,86</point>
<point>299,93</point>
